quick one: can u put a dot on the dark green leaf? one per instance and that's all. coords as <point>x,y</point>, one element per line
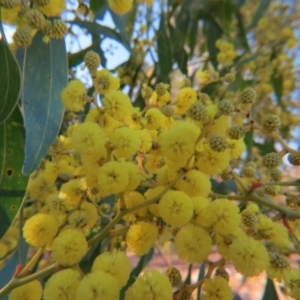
<point>179,53</point>
<point>96,5</point>
<point>164,51</point>
<point>270,291</point>
<point>213,32</point>
<point>193,35</point>
<point>262,8</point>
<point>189,275</point>
<point>277,82</point>
<point>45,75</point>
<point>201,275</point>
<point>10,79</point>
<point>12,181</point>
<point>143,262</point>
<point>223,187</point>
<point>102,31</point>
<point>265,148</point>
<point>88,260</point>
<point>242,34</point>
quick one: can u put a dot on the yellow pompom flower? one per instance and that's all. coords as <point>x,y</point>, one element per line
<point>211,162</point>
<point>279,267</point>
<point>84,218</point>
<point>53,9</point>
<point>62,285</point>
<point>134,119</point>
<point>134,175</point>
<point>216,289</point>
<point>152,285</point>
<point>193,243</point>
<point>151,194</point>
<point>88,138</point>
<point>218,126</point>
<point>72,191</point>
<point>124,142</point>
<point>40,229</point>
<point>115,263</point>
<point>250,257</point>
<point>274,232</point>
<point>132,199</point>
<point>185,98</point>
<point>176,208</point>
<point>104,120</point>
<point>141,237</point>
<point>154,161</point>
<point>146,140</point>
<point>98,285</point>
<point>200,203</point>
<point>178,142</point>
<point>112,179</point>
<point>153,118</point>
<point>236,148</point>
<point>29,291</point>
<point>117,104</point>
<point>69,247</point>
<point>222,216</point>
<point>74,96</point>
<point>194,183</point>
<point>120,7</point>
<point>106,81</point>
<point>293,282</point>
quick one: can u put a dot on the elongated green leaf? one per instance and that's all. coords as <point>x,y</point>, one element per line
<point>213,32</point>
<point>45,75</point>
<point>12,181</point>
<point>277,82</point>
<point>96,5</point>
<point>10,79</point>
<point>270,291</point>
<point>164,51</point>
<point>102,31</point>
<point>144,260</point>
<point>262,8</point>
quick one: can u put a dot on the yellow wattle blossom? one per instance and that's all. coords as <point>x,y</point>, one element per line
<point>210,162</point>
<point>62,285</point>
<point>69,247</point>
<point>117,104</point>
<point>216,288</point>
<point>141,237</point>
<point>152,285</point>
<point>175,208</point>
<point>194,183</point>
<point>106,81</point>
<point>124,142</point>
<point>185,98</point>
<point>88,138</point>
<point>250,257</point>
<point>98,285</point>
<point>40,229</point>
<point>31,290</point>
<point>178,142</point>
<point>115,263</point>
<point>112,179</point>
<point>193,243</point>
<point>222,216</point>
